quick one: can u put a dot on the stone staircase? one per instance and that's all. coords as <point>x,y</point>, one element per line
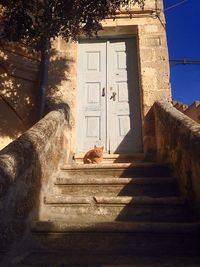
<point>115,214</point>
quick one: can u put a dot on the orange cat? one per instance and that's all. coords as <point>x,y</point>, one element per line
<point>94,155</point>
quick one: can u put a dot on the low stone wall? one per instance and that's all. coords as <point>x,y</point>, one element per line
<point>178,142</point>
<point>26,165</point>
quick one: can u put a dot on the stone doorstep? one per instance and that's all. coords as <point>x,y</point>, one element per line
<point>111,158</point>
<point>119,200</point>
<point>111,166</point>
<point>114,181</point>
<point>115,227</point>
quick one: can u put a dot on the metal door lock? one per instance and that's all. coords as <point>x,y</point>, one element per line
<point>113,96</point>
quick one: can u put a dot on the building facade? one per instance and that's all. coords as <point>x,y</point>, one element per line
<point>114,81</point>
<point>111,82</point>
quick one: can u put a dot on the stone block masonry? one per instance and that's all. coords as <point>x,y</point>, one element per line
<point>178,142</point>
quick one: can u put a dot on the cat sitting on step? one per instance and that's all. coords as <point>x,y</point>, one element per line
<point>94,155</point>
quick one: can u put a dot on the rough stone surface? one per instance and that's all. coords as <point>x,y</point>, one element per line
<point>26,165</point>
<point>100,227</point>
<point>178,142</point>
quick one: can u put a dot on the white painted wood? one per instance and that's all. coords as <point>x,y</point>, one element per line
<point>112,121</point>
<point>124,117</point>
<point>91,104</point>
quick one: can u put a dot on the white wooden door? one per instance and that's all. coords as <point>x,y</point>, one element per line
<point>108,96</point>
<point>123,95</point>
<point>91,103</point>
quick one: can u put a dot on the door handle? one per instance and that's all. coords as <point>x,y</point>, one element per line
<point>103,92</point>
<point>113,96</point>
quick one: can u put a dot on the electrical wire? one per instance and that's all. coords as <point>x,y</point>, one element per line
<point>175,5</point>
<point>175,62</point>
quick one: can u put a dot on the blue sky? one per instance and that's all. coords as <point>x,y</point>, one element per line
<point>183,33</point>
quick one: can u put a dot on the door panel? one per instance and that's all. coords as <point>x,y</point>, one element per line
<point>125,135</point>
<point>91,104</point>
<point>108,97</point>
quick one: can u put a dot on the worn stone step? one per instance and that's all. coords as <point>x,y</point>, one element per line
<point>60,258</point>
<point>172,209</point>
<point>57,226</point>
<point>114,158</point>
<point>154,187</point>
<point>142,200</point>
<point>122,243</point>
<point>125,239</point>
<point>140,169</point>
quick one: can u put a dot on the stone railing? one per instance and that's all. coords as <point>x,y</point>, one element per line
<point>178,142</point>
<point>26,165</point>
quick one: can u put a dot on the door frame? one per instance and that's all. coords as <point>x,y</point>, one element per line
<point>106,39</point>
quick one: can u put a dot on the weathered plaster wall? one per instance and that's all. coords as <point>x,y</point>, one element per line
<point>178,142</point>
<point>26,167</point>
<point>18,91</point>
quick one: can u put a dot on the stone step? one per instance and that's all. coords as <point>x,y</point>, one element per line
<point>171,209</point>
<point>114,158</point>
<point>118,238</point>
<point>148,186</point>
<point>143,200</point>
<point>60,258</point>
<point>142,169</point>
<point>56,226</point>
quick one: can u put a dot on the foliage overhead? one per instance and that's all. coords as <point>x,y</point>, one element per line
<point>33,21</point>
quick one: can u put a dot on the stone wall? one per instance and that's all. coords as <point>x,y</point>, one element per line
<point>26,166</point>
<point>178,142</point>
